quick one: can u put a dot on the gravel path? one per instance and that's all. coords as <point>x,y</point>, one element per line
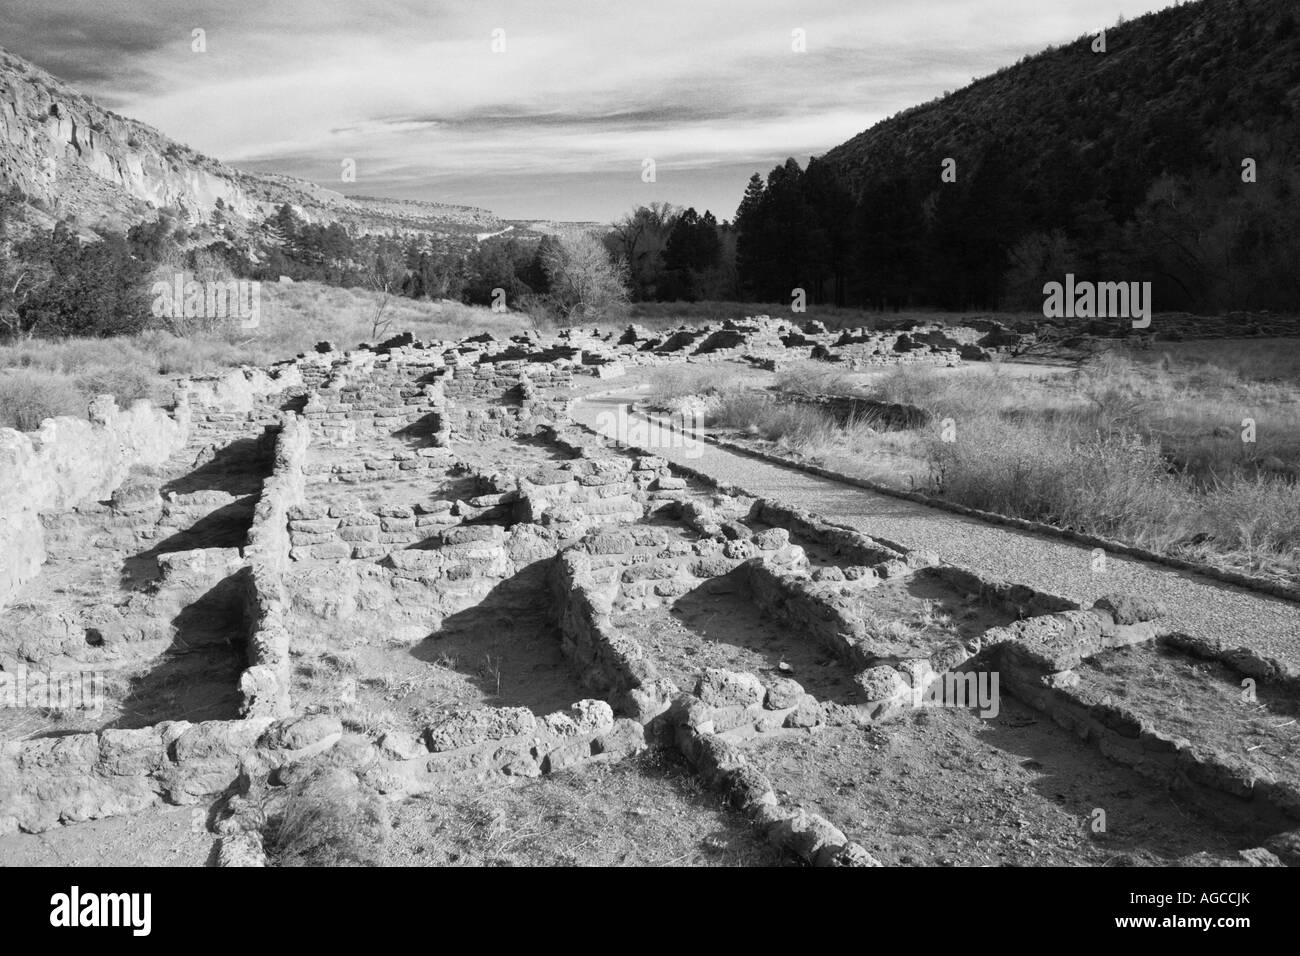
<point>1200,606</point>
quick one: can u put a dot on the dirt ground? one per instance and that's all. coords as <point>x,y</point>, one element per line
<point>645,811</point>
<point>159,836</point>
<point>944,787</point>
<point>478,658</point>
<point>398,663</point>
<point>1203,701</point>
<point>717,625</point>
<point>648,810</point>
<point>915,615</point>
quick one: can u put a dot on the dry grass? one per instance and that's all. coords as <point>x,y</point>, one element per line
<point>1194,413</point>
<point>1144,449</point>
<point>59,376</point>
<point>1151,454</point>
<point>1229,362</point>
<point>815,378</point>
<point>735,400</point>
<point>63,377</point>
<point>647,810</point>
<point>28,397</point>
<point>764,416</point>
<point>296,316</point>
<point>328,818</point>
<point>673,383</point>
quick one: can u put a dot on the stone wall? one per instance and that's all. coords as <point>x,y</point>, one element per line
<point>70,460</point>
<point>880,415</point>
<point>266,681</point>
<point>372,464</point>
<point>363,394</point>
<point>49,781</point>
<point>499,400</point>
<point>636,568</point>
<point>381,405</point>
<point>239,390</point>
<point>573,497</point>
<point>1037,660</point>
<point>268,538</point>
<point>1019,600</point>
<point>850,546</point>
<point>814,605</point>
<point>474,745</point>
<point>349,531</point>
<point>727,707</point>
<point>422,586</point>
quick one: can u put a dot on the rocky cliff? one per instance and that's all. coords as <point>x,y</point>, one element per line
<point>71,156</point>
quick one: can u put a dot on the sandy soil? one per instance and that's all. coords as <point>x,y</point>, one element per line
<point>1203,701</point>
<point>942,787</point>
<point>645,811</point>
<point>159,836</point>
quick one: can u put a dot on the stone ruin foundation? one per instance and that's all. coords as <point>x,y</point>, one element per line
<point>407,565</point>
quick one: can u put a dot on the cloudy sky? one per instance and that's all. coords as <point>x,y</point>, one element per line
<point>558,123</point>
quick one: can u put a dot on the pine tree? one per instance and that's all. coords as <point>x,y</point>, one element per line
<point>747,227</point>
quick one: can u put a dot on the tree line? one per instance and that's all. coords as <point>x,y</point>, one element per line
<point>56,282</point>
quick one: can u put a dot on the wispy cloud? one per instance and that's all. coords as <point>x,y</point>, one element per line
<point>557,125</point>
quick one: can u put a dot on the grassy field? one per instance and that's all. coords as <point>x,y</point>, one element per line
<point>40,378</point>
<point>1150,448</point>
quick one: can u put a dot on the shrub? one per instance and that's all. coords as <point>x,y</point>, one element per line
<point>327,819</point>
<point>803,427</point>
<point>1101,483</point>
<point>1256,517</point>
<point>126,383</point>
<point>27,398</point>
<point>815,378</point>
<point>1149,454</point>
<point>675,382</point>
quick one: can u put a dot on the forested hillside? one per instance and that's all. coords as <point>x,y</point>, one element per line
<point>1120,165</point>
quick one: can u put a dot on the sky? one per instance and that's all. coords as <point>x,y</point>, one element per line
<point>534,109</point>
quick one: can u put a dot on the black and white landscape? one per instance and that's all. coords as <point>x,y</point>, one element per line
<point>676,434</point>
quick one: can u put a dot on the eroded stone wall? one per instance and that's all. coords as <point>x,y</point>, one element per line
<point>70,460</point>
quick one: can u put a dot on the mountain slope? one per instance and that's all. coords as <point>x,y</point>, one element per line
<point>1167,84</point>
<point>1080,158</point>
<point>70,156</point>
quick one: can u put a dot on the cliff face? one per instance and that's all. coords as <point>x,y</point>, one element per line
<point>73,157</point>
<point>63,149</point>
